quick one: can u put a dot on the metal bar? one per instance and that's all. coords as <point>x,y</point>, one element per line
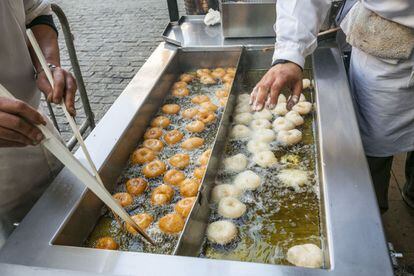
<point>82,129</point>
<point>173,10</point>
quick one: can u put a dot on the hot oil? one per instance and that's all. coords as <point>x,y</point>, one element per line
<point>165,244</point>
<point>276,218</point>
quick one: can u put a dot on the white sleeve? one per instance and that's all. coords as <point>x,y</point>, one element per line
<point>35,8</point>
<point>297,25</point>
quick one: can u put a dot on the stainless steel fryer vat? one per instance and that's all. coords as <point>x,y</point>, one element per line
<point>52,232</point>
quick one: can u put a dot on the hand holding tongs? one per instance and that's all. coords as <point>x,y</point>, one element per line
<point>55,146</point>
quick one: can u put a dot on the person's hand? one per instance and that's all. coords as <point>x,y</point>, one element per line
<point>18,122</point>
<point>278,77</point>
<point>65,88</point>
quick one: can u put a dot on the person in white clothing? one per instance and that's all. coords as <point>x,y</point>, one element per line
<point>26,168</point>
<point>381,33</point>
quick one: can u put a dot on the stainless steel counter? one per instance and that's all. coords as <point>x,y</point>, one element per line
<point>356,242</point>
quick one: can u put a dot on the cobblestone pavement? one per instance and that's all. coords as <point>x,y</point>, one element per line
<point>113,39</point>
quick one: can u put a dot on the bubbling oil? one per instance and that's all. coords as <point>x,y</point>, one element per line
<point>276,218</point>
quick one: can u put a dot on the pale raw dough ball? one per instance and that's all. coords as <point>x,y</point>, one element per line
<point>242,108</point>
<point>289,137</point>
<point>255,146</point>
<point>225,190</point>
<point>264,159</point>
<point>302,108</point>
<point>230,207</point>
<point>260,124</point>
<point>281,98</point>
<point>243,118</point>
<point>264,135</point>
<point>280,109</point>
<point>305,255</point>
<point>263,114</point>
<point>293,178</point>
<point>247,180</point>
<point>306,83</point>
<point>235,163</point>
<point>221,232</point>
<point>243,98</point>
<point>282,123</point>
<point>240,132</point>
<point>295,117</point>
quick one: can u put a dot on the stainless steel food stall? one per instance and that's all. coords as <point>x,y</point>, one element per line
<point>51,236</point>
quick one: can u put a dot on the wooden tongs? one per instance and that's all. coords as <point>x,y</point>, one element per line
<point>55,146</point>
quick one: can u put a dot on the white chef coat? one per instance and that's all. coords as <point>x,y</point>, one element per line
<point>383,90</point>
<point>24,172</point>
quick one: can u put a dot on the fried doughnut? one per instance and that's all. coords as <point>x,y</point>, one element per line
<point>199,172</point>
<point>223,101</point>
<point>189,113</point>
<point>186,78</point>
<point>228,78</point>
<point>170,108</point>
<point>174,177</point>
<point>242,108</point>
<point>179,84</point>
<point>106,243</point>
<point>192,143</point>
<point>280,109</point>
<point>235,163</point>
<point>206,117</point>
<point>183,207</point>
<point>189,187</point>
<point>240,132</point>
<point>154,168</point>
<point>294,117</point>
<point>142,155</point>
<point>247,180</point>
<point>305,255</point>
<point>200,99</point>
<point>230,207</point>
<point>195,126</point>
<point>181,92</point>
<point>255,146</point>
<point>289,137</point>
<point>154,145</point>
<point>263,114</point>
<point>282,123</point>
<point>171,223</point>
<point>265,159</point>
<point>173,137</point>
<point>225,190</point>
<point>179,160</point>
<point>218,73</point>
<point>136,186</point>
<point>207,79</point>
<point>209,106</point>
<point>264,135</point>
<point>202,72</point>
<point>222,93</point>
<point>162,195</point>
<point>221,232</point>
<point>306,83</point>
<point>153,133</point>
<point>231,70</point>
<point>124,199</point>
<point>204,157</point>
<point>243,98</point>
<point>243,118</point>
<point>143,220</point>
<point>302,108</point>
<point>260,124</point>
<point>293,178</point>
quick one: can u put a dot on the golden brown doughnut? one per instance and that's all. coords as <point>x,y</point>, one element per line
<point>174,177</point>
<point>170,108</point>
<point>171,223</point>
<point>218,73</point>
<point>124,199</point>
<point>202,72</point>
<point>200,99</point>
<point>160,121</point>
<point>222,93</point>
<point>162,195</point>
<point>173,137</point>
<point>189,113</point>
<point>154,169</point>
<point>195,126</point>
<point>181,92</point>
<point>183,207</point>
<point>179,84</point>
<point>209,106</point>
<point>143,220</point>
<point>179,160</point>
<point>189,187</point>
<point>228,78</point>
<point>153,133</point>
<point>142,155</point>
<point>192,143</point>
<point>136,186</point>
<point>106,243</point>
<point>204,157</point>
<point>207,79</point>
<point>186,78</point>
<point>199,172</point>
<point>153,144</point>
<point>231,70</point>
<point>206,117</point>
